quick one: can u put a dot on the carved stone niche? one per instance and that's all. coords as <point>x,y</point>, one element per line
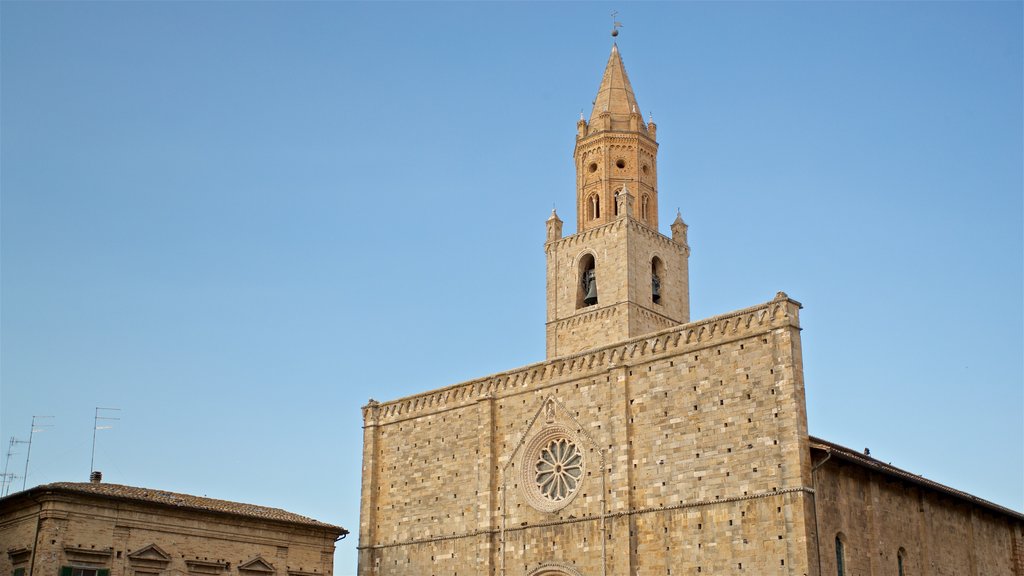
<point>256,567</point>
<point>149,559</point>
<point>205,567</point>
<point>89,556</point>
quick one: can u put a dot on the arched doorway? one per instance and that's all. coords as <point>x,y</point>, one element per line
<point>555,569</point>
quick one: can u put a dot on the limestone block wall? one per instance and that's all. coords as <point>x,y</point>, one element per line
<point>103,534</point>
<point>644,244</point>
<point>623,251</point>
<point>694,455</point>
<point>879,517</point>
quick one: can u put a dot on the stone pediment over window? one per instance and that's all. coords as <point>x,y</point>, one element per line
<point>257,566</point>
<point>19,555</point>
<point>151,556</point>
<point>205,567</point>
<point>97,556</point>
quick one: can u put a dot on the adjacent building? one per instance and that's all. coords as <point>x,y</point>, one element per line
<point>647,443</point>
<point>98,529</point>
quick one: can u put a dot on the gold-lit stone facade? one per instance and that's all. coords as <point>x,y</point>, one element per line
<point>646,443</point>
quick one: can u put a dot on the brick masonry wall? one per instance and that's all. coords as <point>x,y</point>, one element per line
<point>877,516</point>
<point>117,529</point>
<point>695,450</point>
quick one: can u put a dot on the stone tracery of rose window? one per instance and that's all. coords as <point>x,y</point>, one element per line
<point>559,468</point>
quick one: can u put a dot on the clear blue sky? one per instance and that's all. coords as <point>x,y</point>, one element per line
<point>237,221</point>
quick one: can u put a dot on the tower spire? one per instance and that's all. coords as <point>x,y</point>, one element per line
<point>615,96</point>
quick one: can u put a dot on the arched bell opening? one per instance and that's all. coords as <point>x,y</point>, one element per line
<point>586,292</point>
<point>657,274</point>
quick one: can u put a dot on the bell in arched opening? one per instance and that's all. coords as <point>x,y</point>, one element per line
<point>589,288</point>
<point>657,269</point>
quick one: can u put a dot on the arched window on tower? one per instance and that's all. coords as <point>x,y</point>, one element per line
<point>840,556</point>
<point>615,203</point>
<point>900,558</point>
<point>593,207</point>
<point>657,273</point>
<point>586,290</point>
<point>644,206</point>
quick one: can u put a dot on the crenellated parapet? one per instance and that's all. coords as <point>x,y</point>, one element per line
<point>781,312</point>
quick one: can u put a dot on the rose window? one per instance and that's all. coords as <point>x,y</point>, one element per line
<point>559,468</point>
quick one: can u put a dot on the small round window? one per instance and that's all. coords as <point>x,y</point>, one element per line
<point>620,163</point>
<point>592,167</point>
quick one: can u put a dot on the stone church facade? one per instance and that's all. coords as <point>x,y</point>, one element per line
<point>647,443</point>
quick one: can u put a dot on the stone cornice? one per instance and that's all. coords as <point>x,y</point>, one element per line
<point>615,136</point>
<point>588,234</point>
<point>627,222</point>
<point>587,315</point>
<point>637,225</point>
<point>778,313</point>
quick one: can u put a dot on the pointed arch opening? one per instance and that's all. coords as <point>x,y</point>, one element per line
<point>586,287</point>
<point>657,274</point>
<point>901,557</point>
<point>645,203</point>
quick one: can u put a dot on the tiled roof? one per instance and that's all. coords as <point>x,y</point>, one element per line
<point>866,461</point>
<point>184,501</point>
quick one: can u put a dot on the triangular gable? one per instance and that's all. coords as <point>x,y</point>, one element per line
<point>152,553</point>
<point>257,564</point>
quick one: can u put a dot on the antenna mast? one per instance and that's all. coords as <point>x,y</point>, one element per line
<point>8,479</point>
<point>96,426</point>
<point>35,428</point>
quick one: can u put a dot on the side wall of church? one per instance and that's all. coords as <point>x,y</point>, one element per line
<point>103,534</point>
<point>879,517</point>
<point>694,450</point>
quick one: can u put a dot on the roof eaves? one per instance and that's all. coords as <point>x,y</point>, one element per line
<point>866,461</point>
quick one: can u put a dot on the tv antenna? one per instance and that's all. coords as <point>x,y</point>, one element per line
<point>8,478</point>
<point>96,426</point>
<point>35,428</point>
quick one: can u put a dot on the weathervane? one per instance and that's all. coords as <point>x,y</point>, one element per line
<point>615,24</point>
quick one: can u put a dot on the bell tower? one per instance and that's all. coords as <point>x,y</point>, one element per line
<point>617,277</point>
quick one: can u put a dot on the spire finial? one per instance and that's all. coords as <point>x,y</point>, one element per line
<point>615,24</point>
